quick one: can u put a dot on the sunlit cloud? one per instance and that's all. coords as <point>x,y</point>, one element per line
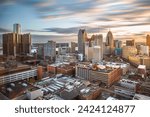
<point>126,18</point>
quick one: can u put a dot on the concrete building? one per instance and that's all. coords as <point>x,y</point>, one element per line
<point>91,72</point>
<point>47,50</point>
<point>50,49</point>
<point>82,36</point>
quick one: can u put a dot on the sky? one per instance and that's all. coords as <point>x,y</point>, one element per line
<point>60,20</point>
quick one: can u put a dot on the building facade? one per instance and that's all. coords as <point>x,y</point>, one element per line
<point>73,47</point>
<point>110,41</point>
<point>16,43</point>
<point>47,50</point>
<point>17,28</point>
<point>82,36</point>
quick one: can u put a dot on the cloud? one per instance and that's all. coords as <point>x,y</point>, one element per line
<point>143,3</point>
<point>45,38</point>
<point>2,30</point>
<point>103,14</point>
<point>74,30</point>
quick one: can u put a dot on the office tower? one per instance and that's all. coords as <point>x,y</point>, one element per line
<point>94,48</point>
<point>98,41</point>
<point>148,41</point>
<point>116,43</point>
<point>26,43</point>
<point>82,36</point>
<point>9,44</point>
<point>73,47</point>
<point>16,44</point>
<point>50,49</point>
<point>110,41</point>
<point>17,28</point>
<point>47,50</point>
<point>130,42</point>
<point>88,52</point>
<point>97,55</point>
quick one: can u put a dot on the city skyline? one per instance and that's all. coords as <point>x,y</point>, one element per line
<point>61,20</point>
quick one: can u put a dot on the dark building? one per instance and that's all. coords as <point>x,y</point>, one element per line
<point>82,36</point>
<point>16,43</point>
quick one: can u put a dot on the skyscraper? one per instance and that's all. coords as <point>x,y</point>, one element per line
<point>9,44</point>
<point>97,55</point>
<point>16,43</point>
<point>26,43</point>
<point>47,50</point>
<point>82,36</point>
<point>98,41</point>
<point>17,28</point>
<point>148,41</point>
<point>73,47</point>
<point>110,41</point>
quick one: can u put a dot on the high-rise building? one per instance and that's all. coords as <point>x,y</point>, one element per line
<point>9,44</point>
<point>98,42</point>
<point>97,55</point>
<point>73,47</point>
<point>110,41</point>
<point>148,41</point>
<point>47,50</point>
<point>88,52</point>
<point>50,49</point>
<point>17,28</point>
<point>16,43</point>
<point>94,48</point>
<point>26,43</point>
<point>82,36</point>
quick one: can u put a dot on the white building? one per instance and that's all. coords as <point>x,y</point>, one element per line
<point>144,50</point>
<point>97,54</point>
